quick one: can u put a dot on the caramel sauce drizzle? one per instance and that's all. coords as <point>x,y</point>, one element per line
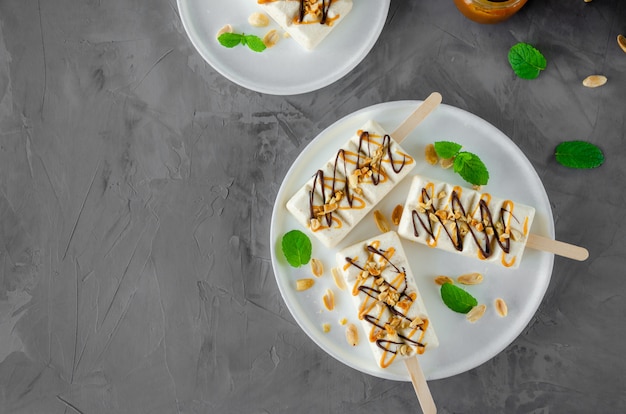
<point>367,138</point>
<point>482,239</point>
<point>347,162</point>
<point>389,346</point>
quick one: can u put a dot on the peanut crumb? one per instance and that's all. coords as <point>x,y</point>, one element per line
<point>441,279</point>
<point>381,221</point>
<point>476,313</point>
<point>594,81</point>
<point>474,278</point>
<point>431,155</point>
<point>338,279</point>
<point>446,162</point>
<point>258,20</point>
<point>621,41</point>
<point>329,300</point>
<point>304,284</point>
<point>317,268</point>
<point>352,335</point>
<point>271,38</point>
<point>225,29</point>
<point>396,214</point>
<point>501,307</point>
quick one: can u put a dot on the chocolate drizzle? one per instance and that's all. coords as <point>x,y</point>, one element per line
<point>365,160</point>
<point>382,343</point>
<point>377,167</point>
<point>387,140</point>
<point>381,253</point>
<point>486,217</point>
<point>386,344</point>
<point>318,180</point>
<point>482,238</point>
<point>353,263</point>
<point>325,8</point>
<point>346,188</point>
<point>302,11</point>
<point>428,226</point>
<point>505,244</point>
<point>365,136</point>
<point>457,241</point>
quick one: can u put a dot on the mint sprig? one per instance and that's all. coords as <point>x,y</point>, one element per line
<point>447,149</point>
<point>468,165</point>
<point>457,299</point>
<point>296,248</point>
<point>231,40</point>
<point>579,154</point>
<point>471,168</point>
<point>526,61</point>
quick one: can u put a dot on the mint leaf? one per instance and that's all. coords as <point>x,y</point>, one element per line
<point>471,168</point>
<point>255,43</point>
<point>296,248</point>
<point>230,39</point>
<point>579,154</point>
<point>447,149</point>
<point>457,299</point>
<point>526,61</point>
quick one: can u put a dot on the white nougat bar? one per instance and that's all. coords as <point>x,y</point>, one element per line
<point>358,176</point>
<point>465,221</point>
<point>387,299</point>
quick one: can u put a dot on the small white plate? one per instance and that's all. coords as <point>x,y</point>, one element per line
<point>463,345</point>
<point>287,68</point>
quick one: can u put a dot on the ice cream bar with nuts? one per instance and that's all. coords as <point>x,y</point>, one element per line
<point>387,300</point>
<point>359,175</point>
<point>308,22</point>
<point>466,221</point>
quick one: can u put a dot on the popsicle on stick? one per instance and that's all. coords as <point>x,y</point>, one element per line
<point>471,223</point>
<point>358,176</point>
<point>389,306</point>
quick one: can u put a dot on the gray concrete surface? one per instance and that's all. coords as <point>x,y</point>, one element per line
<point>136,186</point>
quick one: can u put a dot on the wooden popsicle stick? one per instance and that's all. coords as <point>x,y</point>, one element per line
<point>534,241</point>
<point>420,386</point>
<point>560,248</point>
<point>417,116</point>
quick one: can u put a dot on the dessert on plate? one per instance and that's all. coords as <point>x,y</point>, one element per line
<point>307,21</point>
<point>360,174</point>
<point>387,299</point>
<point>465,221</point>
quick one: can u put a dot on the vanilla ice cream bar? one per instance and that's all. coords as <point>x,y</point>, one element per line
<point>307,21</point>
<point>387,299</point>
<point>350,184</point>
<point>466,221</point>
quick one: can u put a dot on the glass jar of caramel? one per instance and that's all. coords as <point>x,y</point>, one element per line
<point>489,11</point>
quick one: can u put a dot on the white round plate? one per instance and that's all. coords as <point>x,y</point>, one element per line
<point>463,345</point>
<point>287,68</point>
